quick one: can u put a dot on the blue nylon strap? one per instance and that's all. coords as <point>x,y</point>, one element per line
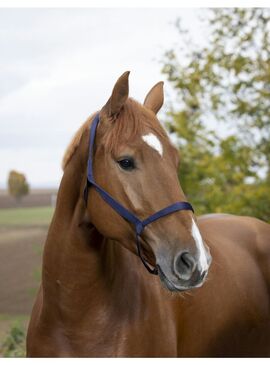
<point>122,211</point>
<point>94,125</point>
<point>126,214</point>
<point>168,210</point>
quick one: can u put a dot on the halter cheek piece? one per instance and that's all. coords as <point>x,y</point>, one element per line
<point>122,211</point>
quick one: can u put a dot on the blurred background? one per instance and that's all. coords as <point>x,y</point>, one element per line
<point>59,65</point>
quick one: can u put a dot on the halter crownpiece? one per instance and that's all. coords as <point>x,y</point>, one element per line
<point>139,225</point>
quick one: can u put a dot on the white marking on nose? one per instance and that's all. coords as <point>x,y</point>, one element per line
<point>153,142</point>
<point>200,246</point>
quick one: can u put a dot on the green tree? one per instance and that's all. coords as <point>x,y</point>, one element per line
<point>227,85</point>
<point>17,185</point>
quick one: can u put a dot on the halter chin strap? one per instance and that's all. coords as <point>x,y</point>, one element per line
<point>138,224</point>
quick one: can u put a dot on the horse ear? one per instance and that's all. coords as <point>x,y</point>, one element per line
<point>119,96</point>
<point>154,99</point>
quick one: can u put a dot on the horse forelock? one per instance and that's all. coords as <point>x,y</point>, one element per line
<point>133,121</point>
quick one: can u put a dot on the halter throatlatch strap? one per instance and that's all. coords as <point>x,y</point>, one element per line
<point>138,224</point>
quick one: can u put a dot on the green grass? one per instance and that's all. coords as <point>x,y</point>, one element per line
<point>12,335</point>
<point>12,340</point>
<point>36,216</point>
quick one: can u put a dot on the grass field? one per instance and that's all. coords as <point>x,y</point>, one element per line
<point>35,216</point>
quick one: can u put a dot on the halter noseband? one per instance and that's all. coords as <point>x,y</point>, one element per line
<point>139,225</point>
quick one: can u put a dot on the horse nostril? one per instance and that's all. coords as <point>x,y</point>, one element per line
<point>185,265</point>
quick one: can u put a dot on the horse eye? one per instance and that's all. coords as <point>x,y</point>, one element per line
<point>126,164</point>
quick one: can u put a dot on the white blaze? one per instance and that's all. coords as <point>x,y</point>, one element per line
<point>153,142</point>
<point>200,246</point>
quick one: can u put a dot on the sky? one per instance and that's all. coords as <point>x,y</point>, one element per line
<point>58,66</point>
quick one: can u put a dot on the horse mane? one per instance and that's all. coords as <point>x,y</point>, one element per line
<point>133,119</point>
<point>75,141</point>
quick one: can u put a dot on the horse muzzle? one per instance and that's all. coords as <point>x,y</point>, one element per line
<point>184,273</point>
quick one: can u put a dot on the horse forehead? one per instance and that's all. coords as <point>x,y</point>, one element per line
<point>154,142</point>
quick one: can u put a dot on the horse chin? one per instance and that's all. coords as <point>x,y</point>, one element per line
<point>172,287</point>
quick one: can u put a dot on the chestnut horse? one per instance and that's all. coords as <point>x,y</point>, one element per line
<point>97,299</point>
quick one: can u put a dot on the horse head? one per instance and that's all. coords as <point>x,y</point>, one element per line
<point>136,163</point>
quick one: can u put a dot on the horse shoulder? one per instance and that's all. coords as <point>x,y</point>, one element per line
<point>241,247</point>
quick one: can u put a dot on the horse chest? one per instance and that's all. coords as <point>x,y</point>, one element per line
<point>144,333</point>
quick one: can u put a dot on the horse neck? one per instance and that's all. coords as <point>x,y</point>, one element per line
<point>82,269</point>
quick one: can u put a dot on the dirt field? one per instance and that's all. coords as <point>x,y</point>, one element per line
<point>20,269</point>
<point>36,198</point>
<point>22,235</point>
<point>20,263</point>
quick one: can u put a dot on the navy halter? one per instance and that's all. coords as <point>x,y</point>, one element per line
<point>122,211</point>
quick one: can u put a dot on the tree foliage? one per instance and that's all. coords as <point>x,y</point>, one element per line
<point>223,117</point>
<point>17,185</point>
